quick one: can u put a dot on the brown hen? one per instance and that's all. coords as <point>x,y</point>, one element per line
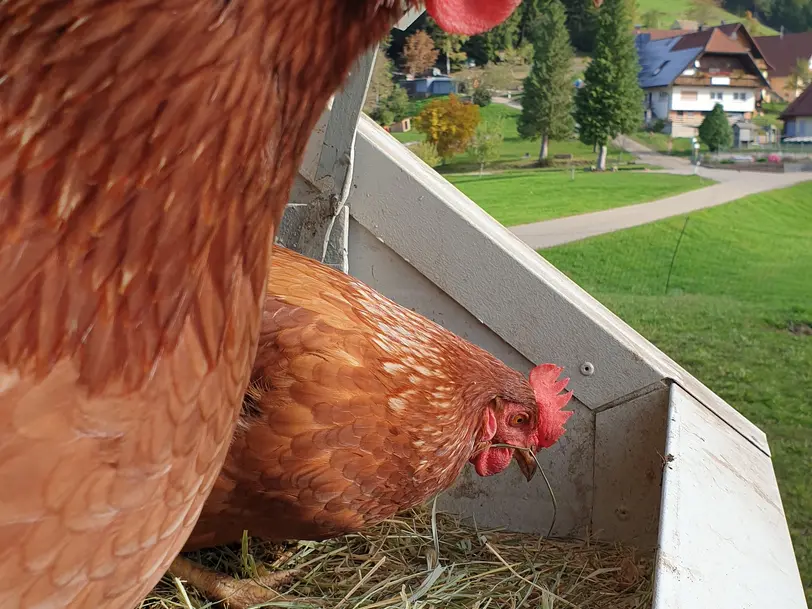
<point>359,408</point>
<point>147,150</point>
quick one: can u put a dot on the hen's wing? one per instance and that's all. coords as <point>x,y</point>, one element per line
<point>323,448</point>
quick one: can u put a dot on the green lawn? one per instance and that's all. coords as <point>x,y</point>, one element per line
<point>519,197</point>
<point>514,148</point>
<point>740,280</point>
<point>681,146</point>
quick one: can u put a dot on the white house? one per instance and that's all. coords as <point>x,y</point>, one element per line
<point>685,76</point>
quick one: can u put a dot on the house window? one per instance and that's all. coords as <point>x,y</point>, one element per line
<point>717,95</point>
<point>688,95</point>
<point>740,96</point>
<point>663,95</point>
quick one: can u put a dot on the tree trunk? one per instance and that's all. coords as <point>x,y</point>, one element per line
<point>602,157</point>
<point>448,57</point>
<point>595,147</point>
<point>545,143</point>
<point>481,169</point>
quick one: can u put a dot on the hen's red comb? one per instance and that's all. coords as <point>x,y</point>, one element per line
<point>470,17</point>
<point>547,389</point>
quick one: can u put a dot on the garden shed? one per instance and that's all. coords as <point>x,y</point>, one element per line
<point>745,134</point>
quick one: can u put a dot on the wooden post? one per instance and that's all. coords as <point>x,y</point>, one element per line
<point>316,220</point>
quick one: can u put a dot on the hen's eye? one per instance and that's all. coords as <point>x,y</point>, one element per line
<point>519,419</point>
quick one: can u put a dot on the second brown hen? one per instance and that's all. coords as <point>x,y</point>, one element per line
<point>360,408</point>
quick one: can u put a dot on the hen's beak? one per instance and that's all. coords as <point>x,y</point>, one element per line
<point>526,462</point>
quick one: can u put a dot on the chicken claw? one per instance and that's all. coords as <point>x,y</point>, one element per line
<point>235,593</point>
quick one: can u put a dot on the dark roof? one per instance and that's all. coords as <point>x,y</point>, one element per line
<point>701,37</point>
<point>802,106</point>
<point>663,60</point>
<point>659,63</point>
<point>735,40</point>
<point>782,53</point>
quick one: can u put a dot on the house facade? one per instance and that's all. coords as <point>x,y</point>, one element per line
<point>798,118</point>
<point>685,76</point>
<point>783,52</point>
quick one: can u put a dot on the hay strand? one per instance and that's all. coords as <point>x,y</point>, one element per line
<point>425,559</point>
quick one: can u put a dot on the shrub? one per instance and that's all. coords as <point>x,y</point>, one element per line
<point>481,97</point>
<point>657,126</point>
<point>715,131</point>
<point>427,152</point>
<point>383,116</point>
<point>398,103</point>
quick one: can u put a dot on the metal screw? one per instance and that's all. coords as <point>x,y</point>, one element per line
<point>587,369</point>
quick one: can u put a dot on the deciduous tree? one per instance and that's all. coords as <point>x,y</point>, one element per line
<point>799,79</point>
<point>419,53</point>
<point>450,45</point>
<point>380,83</point>
<point>486,145</point>
<point>449,124</point>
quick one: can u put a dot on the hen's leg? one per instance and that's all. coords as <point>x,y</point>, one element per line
<point>237,593</point>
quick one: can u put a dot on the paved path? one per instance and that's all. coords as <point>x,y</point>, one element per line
<point>573,228</point>
<point>731,185</point>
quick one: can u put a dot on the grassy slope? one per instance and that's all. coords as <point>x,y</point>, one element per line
<point>519,197</point>
<point>741,275</point>
<point>680,9</point>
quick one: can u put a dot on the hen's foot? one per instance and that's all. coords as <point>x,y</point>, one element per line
<point>236,593</point>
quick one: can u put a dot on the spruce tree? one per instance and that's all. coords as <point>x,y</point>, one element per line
<point>610,102</point>
<point>547,100</point>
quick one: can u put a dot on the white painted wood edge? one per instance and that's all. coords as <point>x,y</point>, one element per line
<point>505,284</point>
<point>723,539</point>
<point>409,17</point>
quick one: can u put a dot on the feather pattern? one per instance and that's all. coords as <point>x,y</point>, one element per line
<point>358,408</point>
<point>147,149</point>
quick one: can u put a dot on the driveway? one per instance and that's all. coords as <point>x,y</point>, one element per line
<point>549,233</point>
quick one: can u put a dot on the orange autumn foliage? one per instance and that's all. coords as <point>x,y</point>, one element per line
<point>449,124</point>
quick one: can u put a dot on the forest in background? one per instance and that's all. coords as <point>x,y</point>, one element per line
<point>761,16</point>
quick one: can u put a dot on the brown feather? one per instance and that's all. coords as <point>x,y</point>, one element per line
<point>358,408</point>
<point>147,149</point>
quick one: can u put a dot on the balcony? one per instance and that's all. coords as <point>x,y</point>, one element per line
<point>713,514</point>
<point>704,79</point>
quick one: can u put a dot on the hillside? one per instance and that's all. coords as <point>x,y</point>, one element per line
<point>669,10</point>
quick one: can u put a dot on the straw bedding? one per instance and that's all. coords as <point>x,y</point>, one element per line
<point>424,560</point>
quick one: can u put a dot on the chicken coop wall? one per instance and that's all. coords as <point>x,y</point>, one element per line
<point>417,239</point>
<point>608,496</point>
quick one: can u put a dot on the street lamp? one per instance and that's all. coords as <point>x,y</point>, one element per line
<point>696,153</point>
